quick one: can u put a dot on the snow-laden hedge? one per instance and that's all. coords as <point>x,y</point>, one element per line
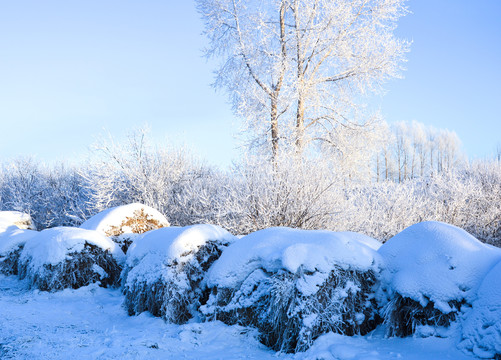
<point>12,240</point>
<point>123,223</point>
<point>481,328</point>
<point>15,229</point>
<point>67,257</point>
<point>294,285</point>
<point>431,269</point>
<point>165,269</point>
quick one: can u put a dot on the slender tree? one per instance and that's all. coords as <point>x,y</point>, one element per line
<point>342,49</point>
<point>251,38</point>
<point>302,63</point>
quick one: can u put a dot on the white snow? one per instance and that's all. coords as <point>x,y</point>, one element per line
<point>52,246</point>
<point>364,239</point>
<point>13,237</point>
<point>482,325</point>
<point>114,217</point>
<point>430,260</point>
<point>90,323</point>
<point>433,261</point>
<point>151,252</point>
<point>376,347</point>
<point>17,218</point>
<point>290,249</point>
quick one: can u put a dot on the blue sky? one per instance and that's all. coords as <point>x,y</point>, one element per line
<point>70,70</point>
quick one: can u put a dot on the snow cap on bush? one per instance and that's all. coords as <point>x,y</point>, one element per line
<point>294,285</point>
<point>12,241</point>
<point>165,268</point>
<point>121,223</point>
<point>434,261</point>
<point>64,257</point>
<point>482,326</point>
<point>289,249</point>
<point>431,269</point>
<point>17,218</point>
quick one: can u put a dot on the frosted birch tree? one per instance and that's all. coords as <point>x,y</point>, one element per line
<point>296,67</point>
<point>343,49</point>
<point>251,37</point>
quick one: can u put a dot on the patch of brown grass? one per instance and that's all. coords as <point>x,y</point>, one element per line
<point>139,223</point>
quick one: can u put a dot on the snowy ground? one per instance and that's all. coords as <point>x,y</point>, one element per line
<point>90,323</point>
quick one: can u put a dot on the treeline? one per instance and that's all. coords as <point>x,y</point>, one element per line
<point>256,193</point>
<point>411,150</point>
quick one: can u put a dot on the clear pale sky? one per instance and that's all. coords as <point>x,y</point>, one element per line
<point>69,69</point>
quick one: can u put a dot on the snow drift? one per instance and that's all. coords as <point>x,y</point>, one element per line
<point>482,325</point>
<point>165,269</point>
<point>430,270</point>
<point>123,223</point>
<point>65,257</point>
<point>294,285</point>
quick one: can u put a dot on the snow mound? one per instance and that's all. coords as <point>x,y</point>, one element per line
<point>65,257</point>
<point>364,239</point>
<point>17,218</point>
<point>278,248</point>
<point>294,285</point>
<point>482,326</point>
<point>122,223</point>
<point>12,241</point>
<point>165,269</point>
<point>431,269</point>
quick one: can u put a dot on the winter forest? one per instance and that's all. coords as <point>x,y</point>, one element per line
<point>334,232</point>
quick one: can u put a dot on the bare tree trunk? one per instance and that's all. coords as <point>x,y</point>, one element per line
<point>274,129</point>
<point>300,82</point>
<point>278,86</point>
<point>300,125</point>
<point>386,165</point>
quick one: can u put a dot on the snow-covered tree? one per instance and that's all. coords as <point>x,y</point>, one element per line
<point>294,68</point>
<point>252,37</point>
<point>412,150</point>
<point>342,49</point>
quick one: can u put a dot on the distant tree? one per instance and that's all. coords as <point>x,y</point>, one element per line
<point>302,63</point>
<point>384,158</point>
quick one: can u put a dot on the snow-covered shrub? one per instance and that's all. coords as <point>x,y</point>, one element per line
<point>289,192</point>
<point>431,269</point>
<point>482,325</point>
<point>160,176</point>
<point>15,229</point>
<point>65,257</point>
<point>52,195</point>
<point>123,223</point>
<point>12,240</point>
<point>165,269</point>
<point>294,285</point>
